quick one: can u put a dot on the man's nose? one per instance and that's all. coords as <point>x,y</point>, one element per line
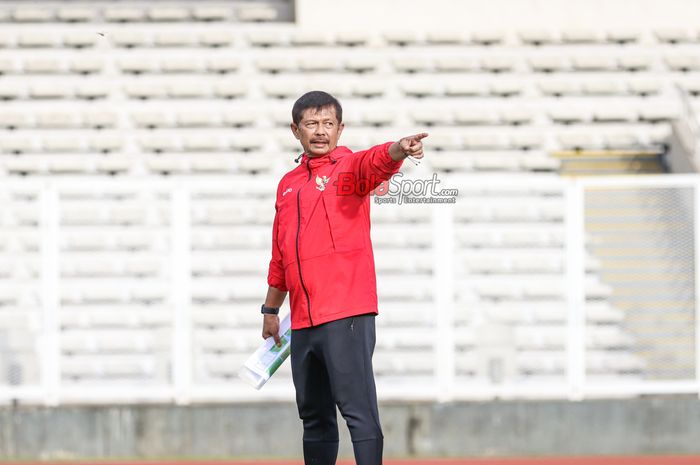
<point>320,131</point>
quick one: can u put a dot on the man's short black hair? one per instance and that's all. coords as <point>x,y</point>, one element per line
<point>316,99</point>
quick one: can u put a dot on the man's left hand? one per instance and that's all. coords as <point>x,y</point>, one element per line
<point>408,146</point>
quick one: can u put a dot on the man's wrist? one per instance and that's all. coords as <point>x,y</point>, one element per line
<point>396,153</point>
<point>269,310</point>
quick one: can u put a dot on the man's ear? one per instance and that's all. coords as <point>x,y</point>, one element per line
<point>295,130</point>
<point>341,126</point>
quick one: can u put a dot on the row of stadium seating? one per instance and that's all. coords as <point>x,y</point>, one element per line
<point>83,13</point>
<point>370,89</point>
<point>134,36</point>
<point>288,63</point>
<point>427,114</point>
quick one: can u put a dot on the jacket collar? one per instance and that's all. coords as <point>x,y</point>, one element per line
<point>331,157</point>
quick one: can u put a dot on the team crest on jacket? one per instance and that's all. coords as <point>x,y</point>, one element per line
<point>321,182</point>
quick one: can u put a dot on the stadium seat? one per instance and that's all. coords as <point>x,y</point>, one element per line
<point>316,63</point>
<point>558,88</point>
<point>107,144</point>
<point>455,64</point>
<point>430,116</point>
<point>536,37</point>
<point>14,120</point>
<point>215,38</point>
<point>256,13</point>
<point>497,64</point>
<point>75,14</point>
<point>144,90</point>
<point>401,38</point>
<point>180,65</point>
<point>547,64</point>
<point>634,63</point>
<point>683,63</point>
<point>17,145</point>
<point>487,37</point>
<point>92,91</point>
<point>506,88</point>
<point>80,40</point>
<point>368,89</point>
<point>444,37</point>
<point>130,38</point>
<point>223,65</point>
<point>174,39</point>
<point>31,14</point>
<point>580,36</point>
<point>240,118</point>
<point>230,89</point>
<point>474,116</point>
<point>568,115</point>
<point>410,64</point>
<point>211,13</point>
<point>201,143</point>
<point>672,35</point>
<point>187,89</point>
<point>526,141</point>
<point>11,91</point>
<point>593,63</point>
<point>515,116</point>
<point>614,114</point>
<point>419,89</point>
<point>466,88</point>
<point>124,14</point>
<point>266,38</point>
<point>622,36</point>
<point>309,38</point>
<point>645,87</point>
<point>351,38</point>
<point>42,66</point>
<point>602,87</point>
<point>275,64</point>
<point>168,13</point>
<point>86,65</point>
<point>195,119</point>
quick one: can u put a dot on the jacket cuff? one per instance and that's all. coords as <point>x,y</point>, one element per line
<point>276,280</point>
<point>384,162</point>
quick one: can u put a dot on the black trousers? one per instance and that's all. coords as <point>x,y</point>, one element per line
<point>332,365</point>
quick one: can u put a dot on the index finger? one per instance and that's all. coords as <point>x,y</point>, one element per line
<point>420,136</point>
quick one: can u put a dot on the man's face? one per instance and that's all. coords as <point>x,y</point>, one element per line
<point>318,131</point>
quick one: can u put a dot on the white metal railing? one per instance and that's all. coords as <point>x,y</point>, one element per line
<point>182,388</point>
<point>688,126</point>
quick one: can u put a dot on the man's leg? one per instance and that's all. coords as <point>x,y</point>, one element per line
<point>314,401</point>
<point>349,345</point>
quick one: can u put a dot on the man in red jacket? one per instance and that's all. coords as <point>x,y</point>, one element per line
<point>322,255</point>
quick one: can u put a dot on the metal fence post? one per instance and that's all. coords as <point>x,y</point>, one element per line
<point>444,289</point>
<point>696,260</point>
<point>575,285</point>
<point>181,295</point>
<point>50,349</point>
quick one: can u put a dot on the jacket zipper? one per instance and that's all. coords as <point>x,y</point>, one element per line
<point>301,279</point>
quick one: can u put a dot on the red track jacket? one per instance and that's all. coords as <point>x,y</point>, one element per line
<point>321,247</point>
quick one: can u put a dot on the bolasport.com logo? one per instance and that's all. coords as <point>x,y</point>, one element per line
<point>396,190</point>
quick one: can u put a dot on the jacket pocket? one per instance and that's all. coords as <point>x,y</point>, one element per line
<point>345,222</point>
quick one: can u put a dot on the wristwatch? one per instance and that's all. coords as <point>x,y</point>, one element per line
<point>269,310</point>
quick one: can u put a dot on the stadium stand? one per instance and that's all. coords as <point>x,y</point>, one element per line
<point>146,90</point>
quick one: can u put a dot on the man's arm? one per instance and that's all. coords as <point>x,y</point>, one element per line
<point>277,287</point>
<point>380,162</point>
<point>271,323</point>
<point>410,146</point>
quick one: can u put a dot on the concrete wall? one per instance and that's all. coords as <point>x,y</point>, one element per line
<point>661,425</point>
<point>421,15</point>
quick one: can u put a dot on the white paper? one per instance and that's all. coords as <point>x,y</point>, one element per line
<point>263,363</point>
